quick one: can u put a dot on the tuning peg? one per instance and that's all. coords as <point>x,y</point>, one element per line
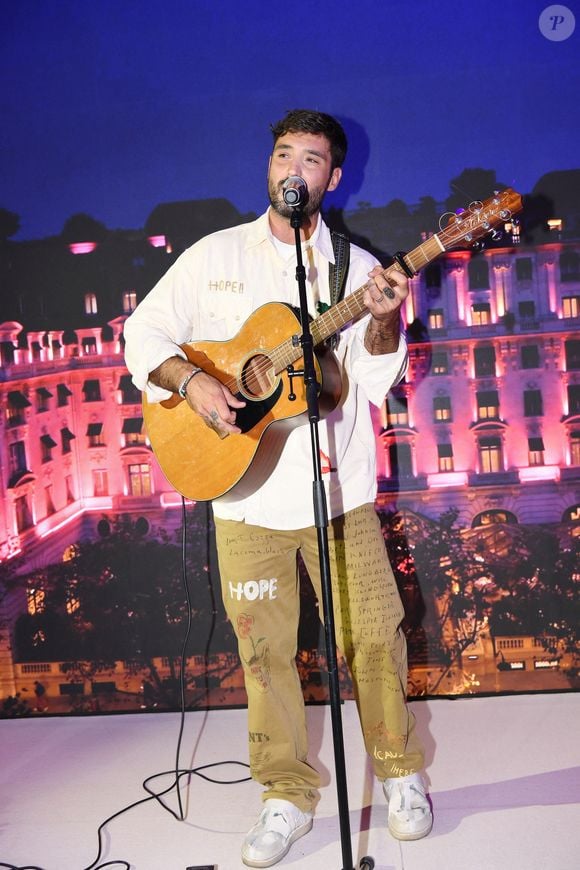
<point>496,235</point>
<point>477,246</point>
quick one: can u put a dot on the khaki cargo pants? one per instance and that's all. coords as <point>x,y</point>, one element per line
<point>260,588</point>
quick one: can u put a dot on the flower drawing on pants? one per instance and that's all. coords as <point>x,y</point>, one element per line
<point>258,663</point>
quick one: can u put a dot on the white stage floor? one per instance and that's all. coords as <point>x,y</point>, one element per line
<point>504,775</point>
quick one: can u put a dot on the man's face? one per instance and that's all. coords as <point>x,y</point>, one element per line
<point>307,155</point>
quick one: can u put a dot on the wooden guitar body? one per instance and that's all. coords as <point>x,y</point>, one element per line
<point>257,363</point>
<point>194,459</point>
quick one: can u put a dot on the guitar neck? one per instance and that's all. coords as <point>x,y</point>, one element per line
<point>464,227</point>
<point>352,306</point>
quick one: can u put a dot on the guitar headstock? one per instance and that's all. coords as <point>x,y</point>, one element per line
<point>480,219</point>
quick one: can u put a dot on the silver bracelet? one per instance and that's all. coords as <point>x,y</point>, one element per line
<point>182,388</point>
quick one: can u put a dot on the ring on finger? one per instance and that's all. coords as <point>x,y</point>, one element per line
<point>389,293</point>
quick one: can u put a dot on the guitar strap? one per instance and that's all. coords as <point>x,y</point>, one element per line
<point>337,274</point>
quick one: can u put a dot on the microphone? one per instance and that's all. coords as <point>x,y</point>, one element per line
<point>295,191</point>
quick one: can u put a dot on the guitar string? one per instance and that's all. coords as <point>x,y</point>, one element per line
<point>448,237</point>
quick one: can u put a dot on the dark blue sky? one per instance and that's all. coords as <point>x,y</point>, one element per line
<point>112,106</point>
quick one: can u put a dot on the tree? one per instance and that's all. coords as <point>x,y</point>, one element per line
<point>83,228</point>
<point>9,224</point>
<point>501,579</point>
<point>440,573</point>
<point>121,598</point>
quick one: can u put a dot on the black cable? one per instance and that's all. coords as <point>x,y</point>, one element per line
<point>177,773</point>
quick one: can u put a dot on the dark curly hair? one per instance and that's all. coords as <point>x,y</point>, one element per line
<point>318,123</point>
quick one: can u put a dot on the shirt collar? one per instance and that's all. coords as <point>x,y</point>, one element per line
<point>260,232</point>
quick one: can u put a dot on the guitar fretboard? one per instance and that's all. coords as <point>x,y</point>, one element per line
<point>465,227</point>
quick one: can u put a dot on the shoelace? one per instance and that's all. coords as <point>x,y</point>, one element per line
<point>405,795</point>
<point>270,824</point>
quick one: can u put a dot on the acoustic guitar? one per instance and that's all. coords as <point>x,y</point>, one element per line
<point>262,365</point>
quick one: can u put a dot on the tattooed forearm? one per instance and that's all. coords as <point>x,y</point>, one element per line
<point>382,336</point>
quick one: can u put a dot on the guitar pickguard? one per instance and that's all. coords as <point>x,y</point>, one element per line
<point>256,409</point>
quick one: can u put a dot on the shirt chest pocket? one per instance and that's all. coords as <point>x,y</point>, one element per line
<point>222,314</point>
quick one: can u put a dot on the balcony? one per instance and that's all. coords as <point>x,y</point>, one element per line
<point>403,484</point>
<point>493,478</point>
<point>572,472</point>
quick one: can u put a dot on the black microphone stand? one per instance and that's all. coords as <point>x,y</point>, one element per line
<point>321,522</point>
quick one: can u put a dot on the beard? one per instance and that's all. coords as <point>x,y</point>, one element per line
<point>276,196</point>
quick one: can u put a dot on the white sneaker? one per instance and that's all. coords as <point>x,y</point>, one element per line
<point>410,816</point>
<point>279,825</point>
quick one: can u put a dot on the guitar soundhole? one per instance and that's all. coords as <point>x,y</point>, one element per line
<point>258,377</point>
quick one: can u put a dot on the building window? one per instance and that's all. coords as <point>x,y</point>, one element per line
<point>6,353</point>
<point>433,276</point>
<point>572,352</point>
<point>140,479</point>
<point>535,451</point>
<point>569,266</point>
<point>23,513</point>
<point>35,600</point>
<point>442,408</point>
<point>439,363</point>
<point>133,431</point>
<point>91,306</point>
<point>575,447</point>
<point>50,508</point>
<point>16,404</point>
<point>62,395</point>
<point>94,434</point>
<point>66,436</point>
<point>92,391</point>
<point>70,496</point>
<point>570,306</point>
<point>478,274</point>
<point>130,394</point>
<point>129,301</point>
<point>397,411</point>
<point>17,458</point>
<point>490,455</point>
<point>488,518</point>
<point>573,399</point>
<point>89,345</point>
<point>527,309</point>
<point>42,397</point>
<point>445,457</point>
<point>100,482</point>
<point>533,404</point>
<point>436,318</point>
<point>530,356</point>
<point>401,461</point>
<point>47,444</point>
<point>524,269</point>
<point>484,361</point>
<point>480,313</point>
<point>487,405</point>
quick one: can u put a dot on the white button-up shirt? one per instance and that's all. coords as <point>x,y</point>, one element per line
<point>207,294</point>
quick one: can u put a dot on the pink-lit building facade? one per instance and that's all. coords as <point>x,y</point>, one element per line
<point>489,418</point>
<point>487,421</point>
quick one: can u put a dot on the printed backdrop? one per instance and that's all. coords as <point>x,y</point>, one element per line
<point>132,129</point>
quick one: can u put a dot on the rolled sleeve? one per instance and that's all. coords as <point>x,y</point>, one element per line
<point>376,374</point>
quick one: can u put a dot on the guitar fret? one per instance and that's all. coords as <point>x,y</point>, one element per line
<point>349,308</point>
